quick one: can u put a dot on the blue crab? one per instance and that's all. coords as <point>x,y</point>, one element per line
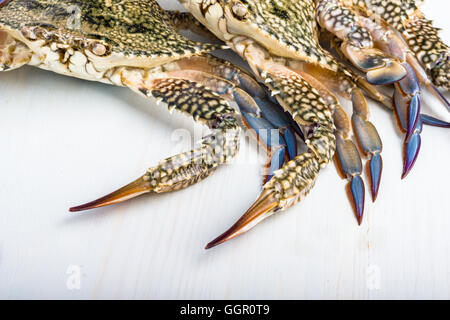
<point>280,40</point>
<point>136,44</point>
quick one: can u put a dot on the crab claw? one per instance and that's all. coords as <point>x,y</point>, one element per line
<point>272,128</point>
<point>411,149</point>
<point>356,189</point>
<point>371,144</point>
<point>132,190</point>
<point>379,69</point>
<point>278,118</point>
<point>432,121</point>
<point>351,166</point>
<point>407,108</point>
<point>265,206</point>
<point>390,73</point>
<point>410,91</point>
<point>375,168</point>
<point>369,141</point>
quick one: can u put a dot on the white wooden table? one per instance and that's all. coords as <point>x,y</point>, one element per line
<point>65,141</point>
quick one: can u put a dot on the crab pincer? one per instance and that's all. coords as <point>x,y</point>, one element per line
<point>382,47</point>
<point>150,58</point>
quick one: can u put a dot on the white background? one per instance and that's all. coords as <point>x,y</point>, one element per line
<point>65,141</point>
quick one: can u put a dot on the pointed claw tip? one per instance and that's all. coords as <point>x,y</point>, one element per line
<point>224,237</point>
<point>356,191</point>
<point>131,190</point>
<point>359,220</point>
<point>263,207</point>
<point>88,206</point>
<point>212,244</point>
<point>405,172</point>
<point>408,165</point>
<point>411,152</point>
<point>374,193</point>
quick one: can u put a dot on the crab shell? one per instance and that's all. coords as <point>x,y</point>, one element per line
<point>284,28</point>
<point>86,39</point>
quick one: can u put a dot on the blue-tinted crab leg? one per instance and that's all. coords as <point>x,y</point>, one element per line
<point>368,139</point>
<point>375,94</point>
<point>366,133</point>
<point>294,180</point>
<point>349,161</point>
<point>407,107</point>
<point>225,70</point>
<point>262,115</point>
<point>407,89</point>
<point>185,169</point>
<point>278,118</point>
<point>271,126</point>
<point>412,143</point>
<point>431,121</point>
<point>390,42</point>
<point>271,138</point>
<point>358,45</point>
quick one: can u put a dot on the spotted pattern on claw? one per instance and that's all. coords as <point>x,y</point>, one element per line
<point>191,98</point>
<point>336,17</point>
<point>395,12</point>
<point>424,41</point>
<point>303,101</point>
<point>179,172</point>
<point>294,181</point>
<point>422,38</point>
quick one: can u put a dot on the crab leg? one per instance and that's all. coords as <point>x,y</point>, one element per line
<point>367,136</point>
<point>368,139</point>
<point>272,127</point>
<point>407,90</point>
<point>294,180</point>
<point>196,86</point>
<point>187,168</point>
<point>420,35</point>
<point>358,45</point>
<point>279,119</point>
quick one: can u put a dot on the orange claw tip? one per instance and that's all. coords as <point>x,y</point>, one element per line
<point>263,207</point>
<point>132,190</point>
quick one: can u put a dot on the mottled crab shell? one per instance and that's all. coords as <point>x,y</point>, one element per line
<point>134,33</point>
<point>283,27</point>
